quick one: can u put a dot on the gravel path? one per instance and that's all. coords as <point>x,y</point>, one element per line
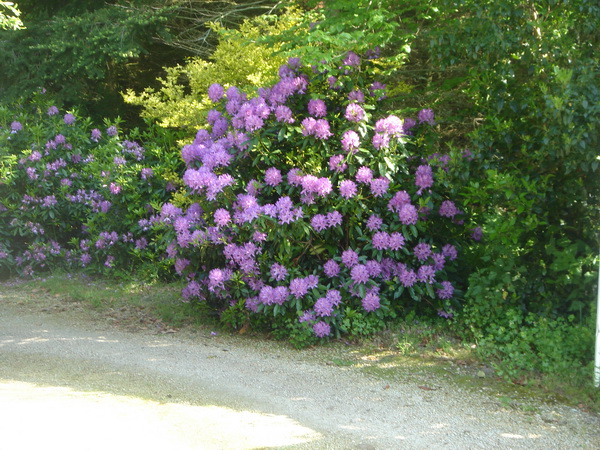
<point>83,384</point>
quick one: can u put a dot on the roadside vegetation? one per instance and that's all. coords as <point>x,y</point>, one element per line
<point>421,178</point>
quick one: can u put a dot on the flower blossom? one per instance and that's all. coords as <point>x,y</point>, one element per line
<point>347,189</point>
<point>371,302</point>
<point>364,175</point>
<point>379,186</point>
<point>95,135</point>
<point>337,164</point>
<point>374,222</point>
<point>283,114</point>
<point>351,59</point>
<point>322,329</point>
<point>317,108</point>
<point>380,240</point>
<point>331,268</point>
<point>354,112</point>
<point>446,291</point>
<point>273,176</point>
<point>323,307</point>
<point>426,116</point>
<point>222,217</point>
<point>408,214</point>
<point>69,119</point>
<point>422,251</point>
<point>350,258</point>
<point>448,209</point>
<point>215,92</point>
<point>278,272</point>
<point>450,252</point>
<point>359,274</point>
<point>350,141</point>
<point>424,177</point>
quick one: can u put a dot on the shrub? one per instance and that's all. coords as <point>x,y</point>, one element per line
<point>76,195</point>
<point>238,60</point>
<point>310,209</point>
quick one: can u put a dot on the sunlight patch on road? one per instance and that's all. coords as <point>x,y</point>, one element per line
<point>35,416</point>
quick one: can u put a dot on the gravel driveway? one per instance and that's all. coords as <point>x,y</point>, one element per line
<point>69,382</point>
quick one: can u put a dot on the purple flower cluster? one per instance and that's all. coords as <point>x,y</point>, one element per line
<point>331,268</point>
<point>354,113</point>
<point>217,279</point>
<point>322,222</point>
<point>350,141</point>
<point>278,272</point>
<point>337,164</point>
<point>348,189</point>
<point>426,116</point>
<point>385,129</point>
<point>388,241</point>
<point>299,287</point>
<point>317,108</point>
<point>423,178</point>
<point>273,295</point>
<point>448,209</point>
<point>273,176</point>
<point>318,128</point>
<point>324,306</point>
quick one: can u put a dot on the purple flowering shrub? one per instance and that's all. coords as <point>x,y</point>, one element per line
<point>73,195</point>
<point>311,208</point>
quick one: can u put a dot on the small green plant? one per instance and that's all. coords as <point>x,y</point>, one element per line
<point>520,346</point>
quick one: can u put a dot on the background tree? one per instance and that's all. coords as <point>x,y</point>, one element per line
<point>84,52</point>
<point>9,16</point>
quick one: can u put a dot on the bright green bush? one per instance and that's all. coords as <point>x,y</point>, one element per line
<point>238,60</point>
<point>9,16</point>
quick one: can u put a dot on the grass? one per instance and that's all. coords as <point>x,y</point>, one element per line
<point>410,351</point>
<point>130,302</point>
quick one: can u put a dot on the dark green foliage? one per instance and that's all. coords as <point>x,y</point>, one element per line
<point>522,77</point>
<point>527,76</point>
<point>521,345</point>
<point>84,53</point>
<point>332,28</point>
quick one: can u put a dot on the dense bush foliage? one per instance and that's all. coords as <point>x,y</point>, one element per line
<point>306,205</point>
<point>75,196</point>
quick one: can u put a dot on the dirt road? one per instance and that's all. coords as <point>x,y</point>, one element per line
<point>67,382</point>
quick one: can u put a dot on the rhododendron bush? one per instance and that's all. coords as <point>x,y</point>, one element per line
<point>76,196</point>
<point>309,207</point>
